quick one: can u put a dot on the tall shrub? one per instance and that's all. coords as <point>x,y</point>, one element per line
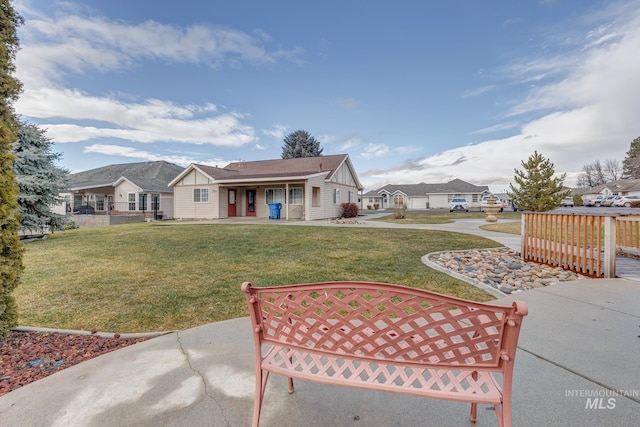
<point>10,247</point>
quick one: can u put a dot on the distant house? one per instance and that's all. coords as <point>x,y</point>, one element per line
<point>621,187</point>
<point>422,196</point>
<point>126,189</point>
<point>307,188</point>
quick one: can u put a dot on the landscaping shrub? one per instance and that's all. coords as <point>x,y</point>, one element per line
<point>400,212</point>
<point>349,210</point>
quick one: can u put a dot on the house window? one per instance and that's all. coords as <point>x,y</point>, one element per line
<point>315,196</point>
<point>295,196</point>
<point>155,202</point>
<point>274,195</point>
<point>100,202</point>
<point>131,197</point>
<point>350,200</point>
<point>142,202</point>
<point>200,195</point>
<point>336,196</point>
<point>398,200</point>
<point>474,198</point>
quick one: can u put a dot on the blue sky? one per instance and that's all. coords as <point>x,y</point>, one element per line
<point>414,91</point>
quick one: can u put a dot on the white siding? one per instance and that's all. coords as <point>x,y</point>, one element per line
<point>439,201</point>
<point>418,202</point>
<point>184,207</point>
<point>315,212</point>
<point>343,176</point>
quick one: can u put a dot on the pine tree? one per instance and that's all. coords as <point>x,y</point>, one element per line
<point>300,144</point>
<point>631,163</point>
<point>537,189</point>
<point>10,246</point>
<point>39,180</point>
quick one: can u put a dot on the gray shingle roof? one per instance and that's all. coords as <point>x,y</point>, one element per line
<point>277,168</point>
<point>149,176</point>
<point>456,186</point>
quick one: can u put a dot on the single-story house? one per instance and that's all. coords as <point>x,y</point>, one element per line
<point>424,196</point>
<point>127,189</point>
<point>307,188</point>
<point>621,187</point>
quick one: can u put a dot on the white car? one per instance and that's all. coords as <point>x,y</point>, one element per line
<point>627,201</point>
<point>458,204</point>
<point>485,202</point>
<point>567,202</point>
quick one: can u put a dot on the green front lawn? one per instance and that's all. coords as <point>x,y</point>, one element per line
<point>147,277</point>
<point>443,217</point>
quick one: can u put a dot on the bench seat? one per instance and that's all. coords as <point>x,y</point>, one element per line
<point>406,378</point>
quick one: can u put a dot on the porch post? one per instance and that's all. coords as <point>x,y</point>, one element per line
<point>609,247</point>
<point>286,200</point>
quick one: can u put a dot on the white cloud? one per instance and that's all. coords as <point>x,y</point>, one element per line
<point>277,131</point>
<point>375,150</point>
<point>53,48</point>
<point>586,104</point>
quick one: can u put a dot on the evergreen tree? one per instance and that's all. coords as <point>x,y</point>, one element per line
<point>631,163</point>
<point>537,190</point>
<point>39,180</point>
<point>10,246</point>
<point>300,144</point>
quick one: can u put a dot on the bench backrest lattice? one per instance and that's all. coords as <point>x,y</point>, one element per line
<point>381,324</point>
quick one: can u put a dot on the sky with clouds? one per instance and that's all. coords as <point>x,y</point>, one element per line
<point>414,91</point>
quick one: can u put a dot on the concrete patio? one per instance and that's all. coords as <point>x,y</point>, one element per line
<point>578,346</point>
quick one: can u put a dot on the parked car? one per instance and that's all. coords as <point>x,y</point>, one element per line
<point>627,201</point>
<point>594,201</point>
<point>567,202</point>
<point>485,202</point>
<point>608,201</point>
<point>458,203</point>
<point>616,199</point>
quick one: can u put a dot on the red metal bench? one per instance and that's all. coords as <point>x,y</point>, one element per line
<point>386,337</point>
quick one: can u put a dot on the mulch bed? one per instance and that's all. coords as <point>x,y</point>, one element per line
<point>26,357</point>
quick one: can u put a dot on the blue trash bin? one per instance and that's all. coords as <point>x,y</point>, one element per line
<point>274,210</point>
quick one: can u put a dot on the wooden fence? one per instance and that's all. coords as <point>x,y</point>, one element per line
<point>586,244</point>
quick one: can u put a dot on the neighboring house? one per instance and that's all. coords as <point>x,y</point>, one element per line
<point>307,188</point>
<point>421,196</point>
<point>621,187</point>
<point>124,190</point>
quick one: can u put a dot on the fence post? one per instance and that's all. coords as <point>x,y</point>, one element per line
<point>523,234</point>
<point>609,247</point>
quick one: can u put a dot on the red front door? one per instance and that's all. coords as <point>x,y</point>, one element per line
<point>251,202</point>
<point>232,203</point>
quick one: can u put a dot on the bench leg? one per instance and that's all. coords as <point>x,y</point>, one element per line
<point>473,414</point>
<point>261,385</point>
<point>290,385</point>
<point>503,412</point>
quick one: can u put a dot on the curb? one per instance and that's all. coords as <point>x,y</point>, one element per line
<point>478,284</point>
<point>88,333</point>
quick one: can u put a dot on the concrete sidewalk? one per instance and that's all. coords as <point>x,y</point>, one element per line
<point>579,343</point>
